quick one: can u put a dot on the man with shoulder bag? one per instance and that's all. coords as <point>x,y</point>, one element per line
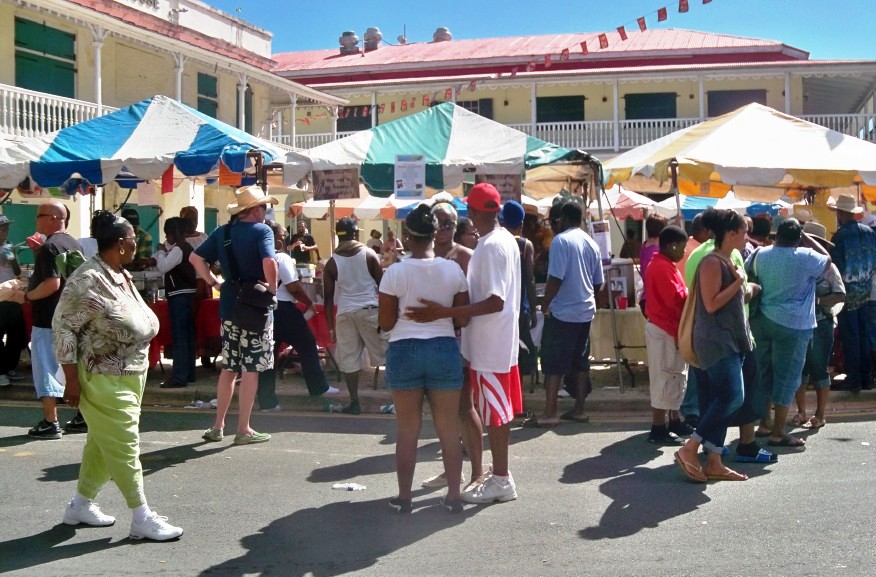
<point>245,250</point>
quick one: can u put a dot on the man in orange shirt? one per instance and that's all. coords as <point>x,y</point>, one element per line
<point>698,235</point>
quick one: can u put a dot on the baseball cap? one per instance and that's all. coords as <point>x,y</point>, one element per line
<point>346,228</point>
<point>484,197</point>
<point>131,215</point>
<point>5,220</point>
<point>513,214</point>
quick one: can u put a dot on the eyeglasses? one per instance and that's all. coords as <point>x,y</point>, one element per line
<point>134,238</point>
<point>446,225</point>
<point>40,215</point>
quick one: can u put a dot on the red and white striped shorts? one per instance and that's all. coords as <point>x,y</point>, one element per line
<point>497,396</point>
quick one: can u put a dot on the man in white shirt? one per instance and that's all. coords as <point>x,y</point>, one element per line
<point>490,341</point>
<point>350,280</point>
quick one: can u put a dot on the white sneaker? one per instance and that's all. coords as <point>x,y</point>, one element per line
<point>4,381</point>
<point>493,490</point>
<point>276,409</point>
<point>155,527</point>
<point>87,515</point>
<point>331,391</point>
<point>563,394</point>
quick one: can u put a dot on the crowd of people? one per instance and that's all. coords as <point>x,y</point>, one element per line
<point>450,318</point>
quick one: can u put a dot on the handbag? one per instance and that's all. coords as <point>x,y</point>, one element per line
<point>754,303</point>
<point>253,302</point>
<point>686,324</point>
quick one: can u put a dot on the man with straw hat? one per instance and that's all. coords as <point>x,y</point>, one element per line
<point>854,254</point>
<point>245,352</point>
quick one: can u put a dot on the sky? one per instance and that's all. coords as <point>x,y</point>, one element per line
<point>827,29</point>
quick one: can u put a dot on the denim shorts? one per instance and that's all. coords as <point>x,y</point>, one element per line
<point>781,353</point>
<point>431,364</point>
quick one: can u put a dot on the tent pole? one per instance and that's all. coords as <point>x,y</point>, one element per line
<point>673,168</point>
<point>332,226</point>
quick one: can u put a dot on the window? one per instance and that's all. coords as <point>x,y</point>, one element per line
<point>354,118</point>
<point>208,95</point>
<point>45,58</point>
<point>724,101</point>
<point>484,106</point>
<point>247,111</point>
<point>650,105</point>
<point>559,109</point>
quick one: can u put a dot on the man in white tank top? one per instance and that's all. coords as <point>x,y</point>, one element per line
<point>350,281</point>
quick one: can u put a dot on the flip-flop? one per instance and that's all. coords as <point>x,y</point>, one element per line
<point>534,423</point>
<point>729,476</point>
<point>788,441</point>
<point>798,420</point>
<point>692,472</point>
<point>814,423</point>
<point>570,416</point>
<point>763,456</point>
<point>762,434</point>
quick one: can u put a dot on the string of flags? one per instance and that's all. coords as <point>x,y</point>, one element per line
<point>426,100</point>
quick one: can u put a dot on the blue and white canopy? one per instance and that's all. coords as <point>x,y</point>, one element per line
<point>144,139</point>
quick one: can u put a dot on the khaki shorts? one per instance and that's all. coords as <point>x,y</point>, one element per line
<point>355,331</point>
<point>667,370</point>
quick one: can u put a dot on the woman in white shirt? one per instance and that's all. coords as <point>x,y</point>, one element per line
<point>423,358</point>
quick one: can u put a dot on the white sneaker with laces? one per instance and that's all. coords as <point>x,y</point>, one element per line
<point>491,491</point>
<point>276,409</point>
<point>87,515</point>
<point>563,394</point>
<point>331,391</point>
<point>155,527</point>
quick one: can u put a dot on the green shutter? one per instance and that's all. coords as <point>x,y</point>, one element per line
<point>40,38</point>
<point>207,85</point>
<point>208,107</point>
<point>43,74</point>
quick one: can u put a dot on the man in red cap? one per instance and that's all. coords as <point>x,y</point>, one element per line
<point>490,341</point>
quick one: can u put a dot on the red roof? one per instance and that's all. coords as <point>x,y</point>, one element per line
<point>154,24</point>
<point>666,46</point>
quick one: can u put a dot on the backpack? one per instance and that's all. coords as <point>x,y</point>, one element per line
<point>69,261</point>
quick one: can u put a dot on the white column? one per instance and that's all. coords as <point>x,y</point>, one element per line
<point>241,101</point>
<point>373,109</point>
<point>533,109</point>
<point>98,35</point>
<point>293,111</point>
<point>787,93</point>
<point>702,86</point>
<point>333,110</point>
<point>180,61</point>
<point>616,96</point>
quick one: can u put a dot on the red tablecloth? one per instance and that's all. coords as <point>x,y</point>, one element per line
<point>206,330</point>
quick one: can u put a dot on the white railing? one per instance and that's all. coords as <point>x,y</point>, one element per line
<point>28,113</point>
<point>861,125</point>
<point>599,134</point>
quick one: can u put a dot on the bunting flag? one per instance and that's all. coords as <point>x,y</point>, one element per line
<point>356,112</point>
<point>366,110</point>
<point>448,94</point>
<point>564,55</point>
<point>392,107</point>
<point>547,60</point>
<point>661,14</point>
<point>530,67</point>
<point>404,105</point>
<point>603,41</point>
<point>413,103</point>
<point>513,72</point>
<point>584,47</point>
<point>683,6</point>
<point>622,32</point>
<point>458,89</point>
<point>426,101</point>
<point>473,85</point>
<point>641,22</point>
<point>381,108</point>
<point>167,180</point>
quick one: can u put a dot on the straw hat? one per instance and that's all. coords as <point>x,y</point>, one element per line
<point>248,197</point>
<point>846,203</point>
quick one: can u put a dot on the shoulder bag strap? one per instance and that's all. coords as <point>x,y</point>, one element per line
<point>232,261</point>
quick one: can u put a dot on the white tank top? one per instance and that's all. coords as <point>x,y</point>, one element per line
<point>355,288</point>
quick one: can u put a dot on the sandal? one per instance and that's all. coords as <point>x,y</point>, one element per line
<point>787,441</point>
<point>814,423</point>
<point>798,420</point>
<point>534,423</point>
<point>728,475</point>
<point>691,471</point>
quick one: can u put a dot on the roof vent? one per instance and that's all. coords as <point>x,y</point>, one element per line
<point>442,34</point>
<point>372,39</point>
<point>349,42</point>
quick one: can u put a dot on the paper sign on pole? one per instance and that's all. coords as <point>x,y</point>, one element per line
<point>336,184</point>
<point>147,194</point>
<point>410,176</point>
<point>602,236</point>
<point>510,186</point>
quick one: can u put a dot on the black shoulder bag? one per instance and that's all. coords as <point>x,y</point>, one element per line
<point>253,301</point>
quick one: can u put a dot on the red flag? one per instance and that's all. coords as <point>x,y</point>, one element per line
<point>473,85</point>
<point>392,106</point>
<point>622,32</point>
<point>683,6</point>
<point>366,111</point>
<point>448,94</point>
<point>661,14</point>
<point>547,60</point>
<point>530,67</point>
<point>167,180</point>
<point>603,41</point>
<point>426,100</point>
<point>564,55</point>
<point>381,108</point>
<point>642,25</point>
<point>404,105</point>
<point>584,47</point>
<point>513,72</point>
<point>413,103</point>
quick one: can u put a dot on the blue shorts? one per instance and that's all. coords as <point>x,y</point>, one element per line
<point>431,364</point>
<point>44,364</point>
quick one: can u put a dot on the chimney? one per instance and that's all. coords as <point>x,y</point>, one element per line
<point>372,39</point>
<point>349,42</point>
<point>442,34</point>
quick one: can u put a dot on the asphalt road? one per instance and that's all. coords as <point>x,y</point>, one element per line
<point>594,500</point>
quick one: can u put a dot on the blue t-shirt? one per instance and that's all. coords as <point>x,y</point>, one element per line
<point>787,275</point>
<point>574,259</point>
<point>854,254</point>
<point>251,242</point>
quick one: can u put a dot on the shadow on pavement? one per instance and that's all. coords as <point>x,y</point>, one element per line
<point>300,544</point>
<point>42,548</point>
<point>152,461</point>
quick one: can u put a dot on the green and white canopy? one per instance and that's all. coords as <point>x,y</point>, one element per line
<point>453,141</point>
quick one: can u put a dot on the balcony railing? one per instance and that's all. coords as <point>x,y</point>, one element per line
<point>28,113</point>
